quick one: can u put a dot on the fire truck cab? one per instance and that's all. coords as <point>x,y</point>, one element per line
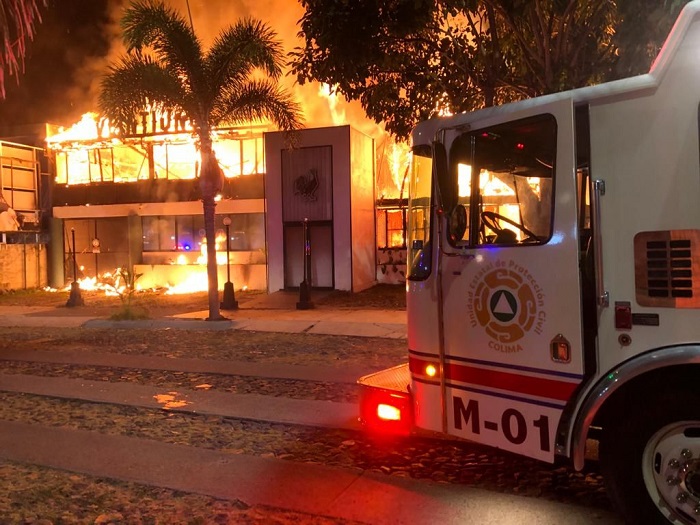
<point>553,287</point>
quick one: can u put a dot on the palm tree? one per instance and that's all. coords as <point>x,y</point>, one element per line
<point>17,24</point>
<point>234,82</point>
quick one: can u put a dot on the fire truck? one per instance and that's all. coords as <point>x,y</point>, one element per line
<point>553,282</point>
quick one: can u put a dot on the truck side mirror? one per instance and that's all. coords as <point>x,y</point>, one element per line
<point>448,189</point>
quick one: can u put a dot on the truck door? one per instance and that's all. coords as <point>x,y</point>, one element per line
<point>509,278</point>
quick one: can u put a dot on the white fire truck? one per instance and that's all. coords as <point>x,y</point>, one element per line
<point>553,291</point>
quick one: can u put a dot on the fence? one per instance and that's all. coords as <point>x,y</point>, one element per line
<point>23,260</point>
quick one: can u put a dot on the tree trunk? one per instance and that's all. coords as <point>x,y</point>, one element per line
<point>209,205</point>
<point>211,179</point>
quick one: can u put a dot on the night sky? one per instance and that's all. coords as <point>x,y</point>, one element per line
<point>63,65</point>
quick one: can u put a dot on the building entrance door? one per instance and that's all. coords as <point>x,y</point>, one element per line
<point>321,254</point>
<point>307,183</point>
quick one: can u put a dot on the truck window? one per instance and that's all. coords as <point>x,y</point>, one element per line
<point>504,177</point>
<point>419,252</point>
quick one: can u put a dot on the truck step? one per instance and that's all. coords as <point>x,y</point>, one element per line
<point>395,379</point>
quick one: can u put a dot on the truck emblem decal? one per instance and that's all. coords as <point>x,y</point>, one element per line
<point>505,299</point>
<point>504,306</point>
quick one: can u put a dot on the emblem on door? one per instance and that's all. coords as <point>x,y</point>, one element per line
<point>306,185</point>
<point>508,303</point>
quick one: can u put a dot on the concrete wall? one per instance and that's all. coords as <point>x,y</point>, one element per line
<point>391,265</point>
<point>22,266</point>
<point>353,235</point>
<point>362,217</point>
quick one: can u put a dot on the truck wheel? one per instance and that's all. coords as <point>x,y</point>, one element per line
<point>650,459</point>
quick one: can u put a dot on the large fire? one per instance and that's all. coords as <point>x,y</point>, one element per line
<point>162,146</point>
<point>89,128</point>
<point>92,150</point>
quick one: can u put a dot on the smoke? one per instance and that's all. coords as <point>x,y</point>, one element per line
<point>88,74</point>
<point>320,107</point>
<point>63,65</point>
<point>209,17</point>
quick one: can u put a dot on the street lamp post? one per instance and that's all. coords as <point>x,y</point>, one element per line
<point>229,302</point>
<point>75,299</point>
<point>305,286</point>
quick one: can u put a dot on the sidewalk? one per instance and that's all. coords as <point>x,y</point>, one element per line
<point>314,489</point>
<point>268,313</point>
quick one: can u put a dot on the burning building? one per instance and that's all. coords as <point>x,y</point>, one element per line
<point>23,256</point>
<point>132,201</point>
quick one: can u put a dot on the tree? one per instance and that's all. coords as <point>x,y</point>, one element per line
<point>641,29</point>
<point>421,57</point>
<point>234,82</point>
<point>17,24</point>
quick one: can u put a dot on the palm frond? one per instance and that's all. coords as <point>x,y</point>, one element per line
<point>243,47</point>
<point>150,23</point>
<point>137,82</point>
<point>18,19</point>
<point>257,100</point>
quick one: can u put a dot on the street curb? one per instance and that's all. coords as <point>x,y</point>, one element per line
<point>162,324</point>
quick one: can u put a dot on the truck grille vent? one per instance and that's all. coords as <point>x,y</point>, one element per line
<point>664,268</point>
<point>669,269</point>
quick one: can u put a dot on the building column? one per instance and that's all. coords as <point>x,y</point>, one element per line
<point>56,255</point>
<point>135,240</point>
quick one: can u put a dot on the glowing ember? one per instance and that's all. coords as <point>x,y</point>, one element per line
<point>170,401</point>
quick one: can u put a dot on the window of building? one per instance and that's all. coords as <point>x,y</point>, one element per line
<point>159,234</point>
<point>185,233</point>
<point>241,156</point>
<point>175,161</point>
<point>246,231</point>
<point>391,227</point>
<point>132,161</point>
<point>101,165</point>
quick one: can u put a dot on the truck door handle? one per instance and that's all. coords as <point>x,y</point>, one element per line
<point>602,296</point>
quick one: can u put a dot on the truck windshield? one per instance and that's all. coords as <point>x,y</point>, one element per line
<point>419,214</point>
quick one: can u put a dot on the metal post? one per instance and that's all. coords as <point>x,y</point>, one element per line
<point>228,247</point>
<point>75,265</point>
<point>229,302</point>
<point>75,299</point>
<point>305,286</point>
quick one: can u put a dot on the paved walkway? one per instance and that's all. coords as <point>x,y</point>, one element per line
<point>363,323</point>
<point>315,489</point>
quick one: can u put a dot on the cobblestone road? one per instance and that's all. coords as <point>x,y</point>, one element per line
<point>419,458</point>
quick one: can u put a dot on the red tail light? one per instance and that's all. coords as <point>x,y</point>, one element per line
<point>386,411</point>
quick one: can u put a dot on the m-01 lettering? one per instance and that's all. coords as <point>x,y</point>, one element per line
<point>521,427</point>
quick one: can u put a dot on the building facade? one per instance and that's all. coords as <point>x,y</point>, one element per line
<point>23,253</point>
<point>134,202</point>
